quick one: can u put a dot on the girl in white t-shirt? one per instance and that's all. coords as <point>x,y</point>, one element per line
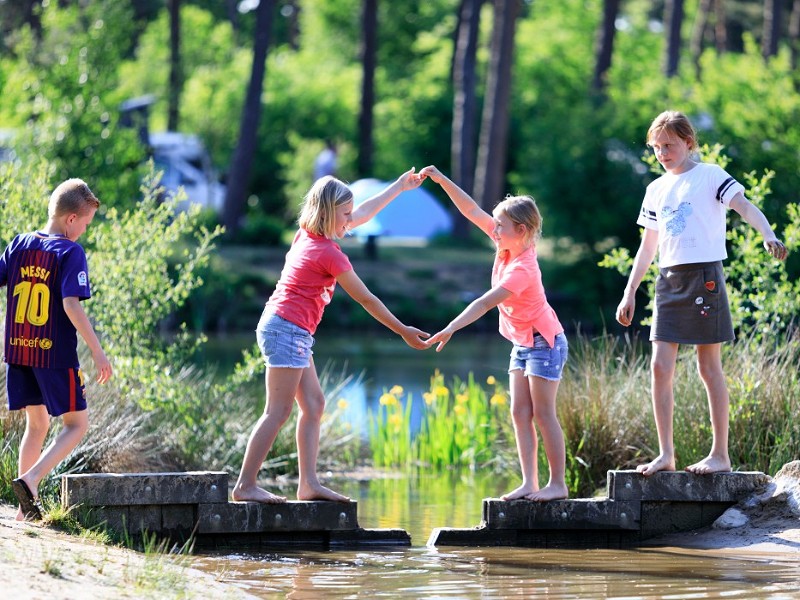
<point>314,265</point>
<point>540,347</point>
<point>683,215</point>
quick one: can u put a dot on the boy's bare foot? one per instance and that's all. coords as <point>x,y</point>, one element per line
<point>660,463</point>
<point>521,492</point>
<point>710,464</point>
<point>256,494</point>
<point>310,492</point>
<point>549,492</point>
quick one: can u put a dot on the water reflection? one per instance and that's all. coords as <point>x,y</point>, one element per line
<point>421,502</point>
<point>507,573</point>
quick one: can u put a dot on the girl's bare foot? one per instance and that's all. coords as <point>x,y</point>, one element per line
<point>255,494</point>
<point>710,464</point>
<point>660,463</point>
<point>521,492</point>
<point>550,492</point>
<point>310,492</point>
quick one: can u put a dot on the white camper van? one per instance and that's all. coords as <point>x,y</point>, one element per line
<point>182,157</point>
<point>186,163</point>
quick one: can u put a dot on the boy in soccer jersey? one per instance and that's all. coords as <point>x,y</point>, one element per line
<point>47,276</point>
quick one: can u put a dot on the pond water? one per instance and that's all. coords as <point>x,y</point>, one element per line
<point>377,362</point>
<point>422,502</point>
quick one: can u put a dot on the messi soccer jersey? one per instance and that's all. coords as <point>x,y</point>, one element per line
<point>41,270</point>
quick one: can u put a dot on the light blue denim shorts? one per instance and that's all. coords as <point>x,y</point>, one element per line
<point>282,343</point>
<point>541,360</point>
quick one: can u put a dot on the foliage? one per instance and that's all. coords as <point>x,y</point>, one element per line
<point>390,430</point>
<point>464,428</point>
<point>461,427</point>
<point>59,93</point>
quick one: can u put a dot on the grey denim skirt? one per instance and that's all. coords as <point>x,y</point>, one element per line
<point>691,305</point>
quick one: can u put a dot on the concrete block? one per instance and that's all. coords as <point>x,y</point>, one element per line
<point>241,517</point>
<point>475,536</point>
<point>369,537</point>
<point>659,518</point>
<point>144,518</point>
<point>178,520</point>
<point>583,513</point>
<point>681,486</point>
<point>113,518</point>
<point>118,489</point>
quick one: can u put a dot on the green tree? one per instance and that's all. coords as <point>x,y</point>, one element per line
<point>59,93</point>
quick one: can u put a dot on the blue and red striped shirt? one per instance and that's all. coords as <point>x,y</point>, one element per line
<point>41,270</point>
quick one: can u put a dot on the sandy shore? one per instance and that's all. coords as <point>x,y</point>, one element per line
<point>42,563</point>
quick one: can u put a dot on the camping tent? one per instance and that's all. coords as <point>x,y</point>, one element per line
<point>413,214</point>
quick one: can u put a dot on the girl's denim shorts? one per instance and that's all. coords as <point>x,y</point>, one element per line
<point>282,343</point>
<point>541,360</point>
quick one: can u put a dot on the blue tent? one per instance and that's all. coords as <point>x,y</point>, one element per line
<point>413,214</point>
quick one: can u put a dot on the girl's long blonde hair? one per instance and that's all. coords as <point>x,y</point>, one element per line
<point>522,210</point>
<point>318,213</point>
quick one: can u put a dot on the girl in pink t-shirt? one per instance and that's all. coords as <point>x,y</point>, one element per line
<point>314,265</point>
<point>526,319</point>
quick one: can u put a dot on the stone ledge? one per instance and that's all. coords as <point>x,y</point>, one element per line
<point>582,513</point>
<point>244,517</point>
<point>533,538</point>
<point>682,486</point>
<point>129,489</point>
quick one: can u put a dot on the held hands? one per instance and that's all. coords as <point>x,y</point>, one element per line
<point>774,247</point>
<point>440,338</point>
<point>415,338</point>
<point>410,180</point>
<point>432,172</point>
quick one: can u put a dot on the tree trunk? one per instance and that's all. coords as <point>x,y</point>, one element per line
<point>699,34</point>
<point>773,17</point>
<point>720,27</point>
<point>175,70</point>
<point>241,165</point>
<point>369,59</point>
<point>605,46</point>
<point>465,106</point>
<point>794,42</point>
<point>492,150</point>
<point>233,17</point>
<point>673,19</point>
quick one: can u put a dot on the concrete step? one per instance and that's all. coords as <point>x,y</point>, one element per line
<point>582,513</point>
<point>180,506</point>
<point>682,486</point>
<point>243,517</point>
<point>637,508</point>
<point>133,489</point>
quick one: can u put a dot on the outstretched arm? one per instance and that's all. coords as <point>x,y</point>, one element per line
<point>74,310</point>
<point>472,313</point>
<point>751,213</point>
<point>463,201</point>
<point>642,261</point>
<point>352,284</point>
<point>372,206</point>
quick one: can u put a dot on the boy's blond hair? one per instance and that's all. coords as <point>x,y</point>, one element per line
<point>318,215</point>
<point>72,196</point>
<point>675,123</point>
<point>522,210</point>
